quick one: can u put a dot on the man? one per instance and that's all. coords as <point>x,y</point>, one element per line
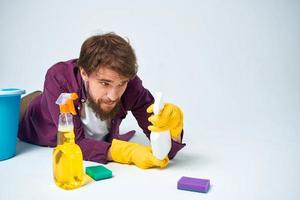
<point>104,78</point>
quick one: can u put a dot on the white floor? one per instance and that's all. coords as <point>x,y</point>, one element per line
<point>238,167</point>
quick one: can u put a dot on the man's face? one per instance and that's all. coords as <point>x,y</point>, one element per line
<point>104,90</point>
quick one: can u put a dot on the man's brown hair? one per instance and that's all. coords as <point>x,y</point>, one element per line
<point>109,50</point>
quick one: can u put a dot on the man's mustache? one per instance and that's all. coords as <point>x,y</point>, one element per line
<point>108,101</point>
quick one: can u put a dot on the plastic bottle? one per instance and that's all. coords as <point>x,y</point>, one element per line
<point>160,141</point>
<point>67,156</point>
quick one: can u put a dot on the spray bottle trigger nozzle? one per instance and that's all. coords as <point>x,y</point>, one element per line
<point>65,102</point>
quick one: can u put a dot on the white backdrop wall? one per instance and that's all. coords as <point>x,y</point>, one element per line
<point>233,66</point>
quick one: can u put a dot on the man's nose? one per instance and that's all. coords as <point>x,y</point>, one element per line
<point>112,94</point>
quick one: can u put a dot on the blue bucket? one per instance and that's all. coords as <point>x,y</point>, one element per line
<point>9,119</point>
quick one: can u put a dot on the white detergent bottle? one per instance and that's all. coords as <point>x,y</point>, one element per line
<point>160,141</point>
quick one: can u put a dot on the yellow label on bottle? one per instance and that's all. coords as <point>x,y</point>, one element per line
<point>67,162</point>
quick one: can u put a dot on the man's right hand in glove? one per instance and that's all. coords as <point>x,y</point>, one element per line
<point>133,153</point>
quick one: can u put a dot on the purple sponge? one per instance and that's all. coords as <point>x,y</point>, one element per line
<point>193,184</point>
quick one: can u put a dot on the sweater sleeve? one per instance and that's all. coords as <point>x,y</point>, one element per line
<point>92,150</point>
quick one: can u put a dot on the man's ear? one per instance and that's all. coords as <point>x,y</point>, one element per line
<point>83,74</point>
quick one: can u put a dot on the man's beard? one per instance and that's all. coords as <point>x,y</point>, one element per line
<point>100,113</point>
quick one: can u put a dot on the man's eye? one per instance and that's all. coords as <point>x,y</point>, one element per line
<point>104,83</point>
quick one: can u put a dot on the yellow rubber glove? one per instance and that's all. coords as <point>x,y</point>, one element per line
<point>169,118</point>
<point>137,154</point>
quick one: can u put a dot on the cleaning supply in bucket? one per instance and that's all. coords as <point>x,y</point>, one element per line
<point>10,99</point>
<point>160,141</point>
<point>67,156</point>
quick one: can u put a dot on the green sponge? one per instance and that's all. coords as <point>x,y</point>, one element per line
<point>98,172</point>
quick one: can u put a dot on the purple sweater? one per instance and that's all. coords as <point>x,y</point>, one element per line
<point>40,121</point>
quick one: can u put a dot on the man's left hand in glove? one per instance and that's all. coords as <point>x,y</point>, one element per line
<point>170,118</point>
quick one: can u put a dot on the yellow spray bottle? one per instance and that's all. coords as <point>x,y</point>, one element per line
<point>67,156</point>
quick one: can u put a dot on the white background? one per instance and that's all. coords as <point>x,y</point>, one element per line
<point>232,66</point>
